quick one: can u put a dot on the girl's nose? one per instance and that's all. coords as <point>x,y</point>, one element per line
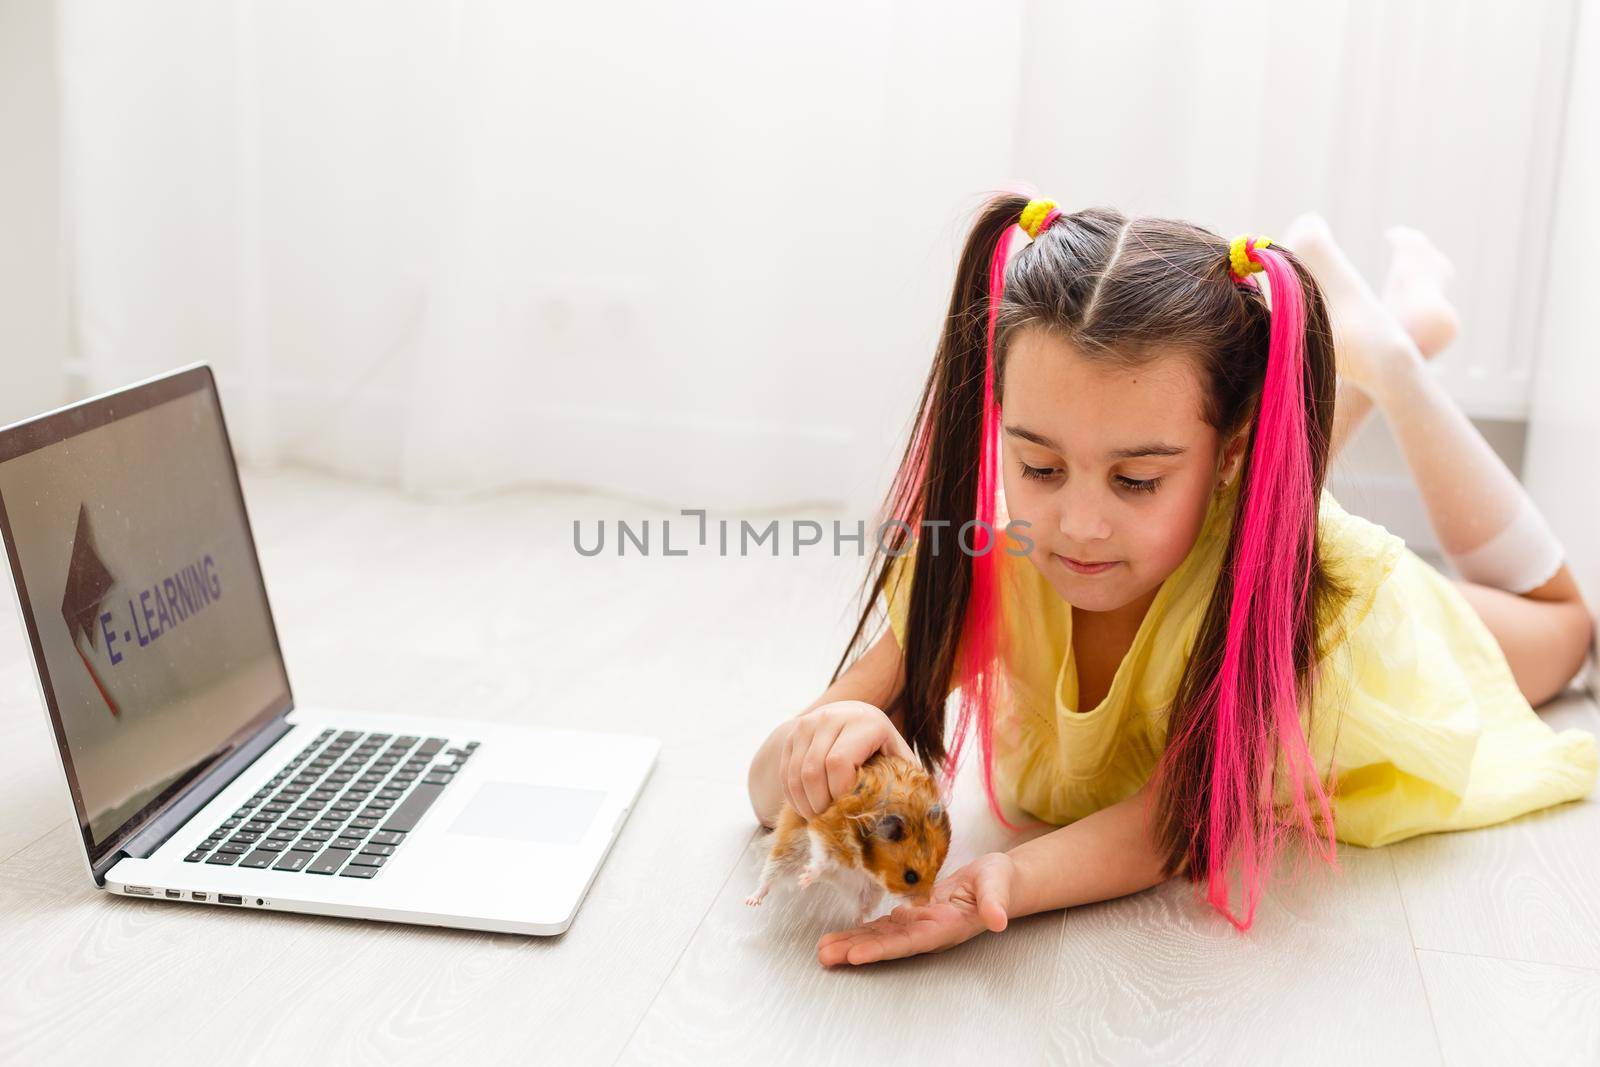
<point>1083,519</point>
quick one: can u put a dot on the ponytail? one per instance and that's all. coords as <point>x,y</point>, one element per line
<point>949,477</point>
<point>1219,768</point>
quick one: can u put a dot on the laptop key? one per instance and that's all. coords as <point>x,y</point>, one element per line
<point>376,849</point>
<point>196,856</point>
<point>292,861</point>
<point>224,858</point>
<point>329,861</point>
<point>367,859</point>
<point>411,810</point>
<point>258,859</point>
<point>270,845</point>
<point>387,837</point>
<point>355,871</point>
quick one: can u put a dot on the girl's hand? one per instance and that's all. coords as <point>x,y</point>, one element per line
<point>974,899</point>
<point>826,748</point>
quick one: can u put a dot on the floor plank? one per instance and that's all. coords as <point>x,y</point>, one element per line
<point>1325,975</point>
<point>1495,1012</point>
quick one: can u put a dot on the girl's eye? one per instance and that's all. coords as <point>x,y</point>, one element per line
<point>1147,486</point>
<point>1043,474</point>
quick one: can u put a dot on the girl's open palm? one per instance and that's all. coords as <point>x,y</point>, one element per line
<point>971,900</point>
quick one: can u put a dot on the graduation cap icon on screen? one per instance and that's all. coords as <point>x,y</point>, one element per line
<point>88,581</point>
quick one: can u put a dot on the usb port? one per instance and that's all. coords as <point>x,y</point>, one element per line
<point>139,890</point>
<point>229,898</point>
<point>200,896</point>
<point>174,894</point>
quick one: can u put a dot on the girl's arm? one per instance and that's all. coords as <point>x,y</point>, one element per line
<point>1107,854</point>
<point>876,678</point>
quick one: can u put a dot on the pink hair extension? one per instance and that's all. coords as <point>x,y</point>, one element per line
<point>984,639</point>
<point>1253,696</point>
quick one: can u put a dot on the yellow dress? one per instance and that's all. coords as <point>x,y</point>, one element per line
<point>1417,710</point>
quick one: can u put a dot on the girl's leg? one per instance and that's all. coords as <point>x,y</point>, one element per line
<point>1414,294</point>
<point>1471,498</point>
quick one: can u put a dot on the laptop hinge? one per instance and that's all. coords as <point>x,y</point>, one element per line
<point>198,795</point>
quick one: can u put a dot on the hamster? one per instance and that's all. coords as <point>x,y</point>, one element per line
<point>890,834</point>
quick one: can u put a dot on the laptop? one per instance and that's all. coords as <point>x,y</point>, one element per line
<point>193,774</point>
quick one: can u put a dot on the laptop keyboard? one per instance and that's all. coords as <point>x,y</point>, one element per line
<point>341,807</point>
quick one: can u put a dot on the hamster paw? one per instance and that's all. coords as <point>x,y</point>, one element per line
<point>808,876</point>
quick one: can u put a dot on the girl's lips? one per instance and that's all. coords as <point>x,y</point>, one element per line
<point>1083,568</point>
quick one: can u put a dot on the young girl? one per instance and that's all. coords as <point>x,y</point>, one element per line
<point>1169,637</point>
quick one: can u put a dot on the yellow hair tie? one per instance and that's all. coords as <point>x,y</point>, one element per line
<point>1239,255</point>
<point>1033,219</point>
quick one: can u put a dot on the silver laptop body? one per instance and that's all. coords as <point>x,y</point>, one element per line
<point>193,776</point>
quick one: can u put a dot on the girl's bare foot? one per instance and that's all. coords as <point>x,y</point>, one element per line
<point>1414,290</point>
<point>1369,341</point>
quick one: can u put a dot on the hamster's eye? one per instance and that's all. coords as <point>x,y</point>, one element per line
<point>911,877</point>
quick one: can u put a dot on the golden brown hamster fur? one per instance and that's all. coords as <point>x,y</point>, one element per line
<point>890,834</point>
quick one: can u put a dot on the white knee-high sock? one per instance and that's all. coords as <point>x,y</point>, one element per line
<point>1519,558</point>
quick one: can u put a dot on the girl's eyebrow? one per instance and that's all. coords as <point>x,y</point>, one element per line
<point>1154,448</point>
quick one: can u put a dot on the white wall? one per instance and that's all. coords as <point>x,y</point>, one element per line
<point>33,322</point>
<point>1564,433</point>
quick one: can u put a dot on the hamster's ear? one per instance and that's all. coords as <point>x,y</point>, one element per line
<point>890,827</point>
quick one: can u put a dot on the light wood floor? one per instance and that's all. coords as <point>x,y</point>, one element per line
<point>1481,947</point>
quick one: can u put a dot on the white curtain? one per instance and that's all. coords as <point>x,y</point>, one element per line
<point>699,253</point>
<point>684,252</point>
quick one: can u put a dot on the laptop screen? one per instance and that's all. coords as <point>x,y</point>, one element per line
<point>137,574</point>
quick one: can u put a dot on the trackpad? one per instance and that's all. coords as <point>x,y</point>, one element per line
<point>522,811</point>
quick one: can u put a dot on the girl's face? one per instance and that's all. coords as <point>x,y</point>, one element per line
<point>1107,465</point>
